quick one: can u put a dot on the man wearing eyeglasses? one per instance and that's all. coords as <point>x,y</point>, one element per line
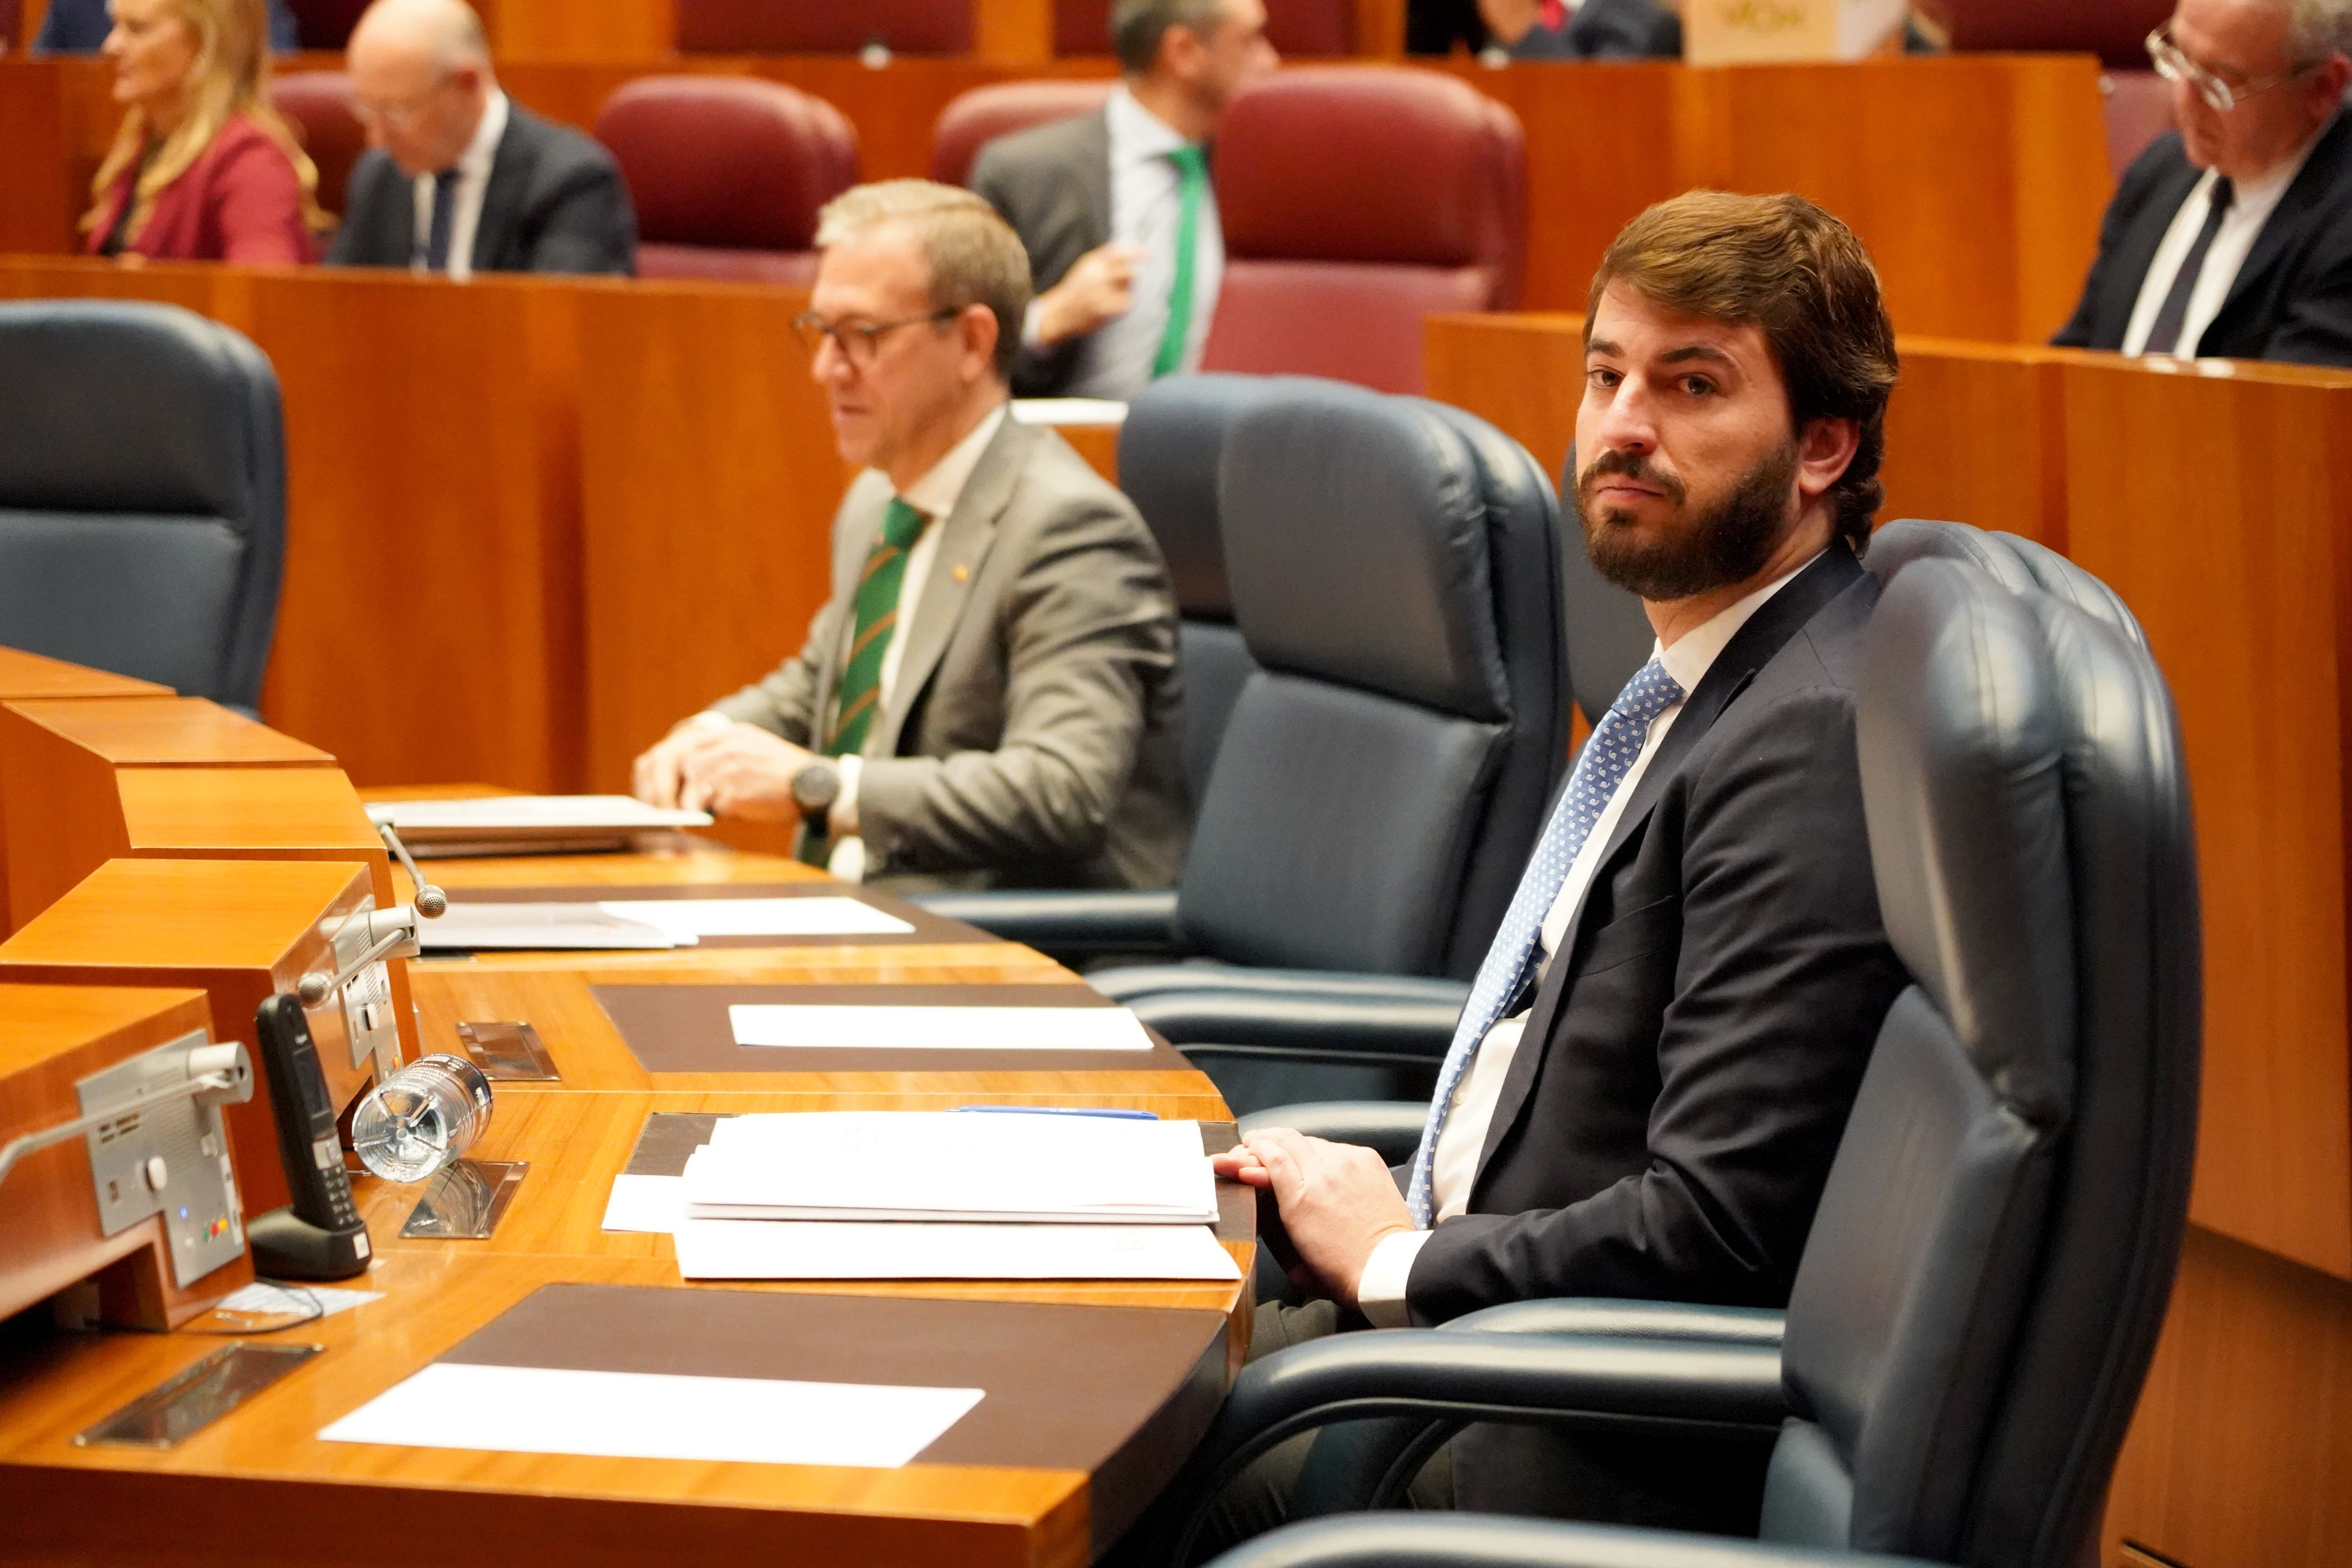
<point>2232,239</point>
<point>990,696</point>
<point>459,179</point>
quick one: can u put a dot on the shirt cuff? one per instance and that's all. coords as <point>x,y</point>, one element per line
<point>842,818</point>
<point>1030,336</point>
<point>1379,1293</point>
<point>708,719</point>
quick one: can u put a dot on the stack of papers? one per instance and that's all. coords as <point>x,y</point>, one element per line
<point>648,922</point>
<point>537,821</point>
<point>884,1028</point>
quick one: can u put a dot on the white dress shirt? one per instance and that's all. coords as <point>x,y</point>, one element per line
<point>466,202</point>
<point>2250,209</point>
<point>1146,208</point>
<point>1454,1165</point>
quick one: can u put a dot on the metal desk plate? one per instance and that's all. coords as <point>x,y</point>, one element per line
<point>505,1050</point>
<point>465,1200</point>
<point>193,1398</point>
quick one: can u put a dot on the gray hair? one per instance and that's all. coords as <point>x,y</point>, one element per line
<point>2319,28</point>
<point>974,255</point>
<point>1136,27</point>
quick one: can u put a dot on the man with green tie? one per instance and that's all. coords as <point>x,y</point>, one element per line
<point>990,696</point>
<point>1115,209</point>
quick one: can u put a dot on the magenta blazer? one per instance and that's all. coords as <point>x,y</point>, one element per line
<point>239,201</point>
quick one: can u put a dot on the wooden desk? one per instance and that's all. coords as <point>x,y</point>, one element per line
<point>29,676</point>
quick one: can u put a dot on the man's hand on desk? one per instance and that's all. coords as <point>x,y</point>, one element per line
<point>730,770</point>
<point>1338,1200</point>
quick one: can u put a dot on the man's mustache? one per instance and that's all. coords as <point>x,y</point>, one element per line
<point>1633,465</point>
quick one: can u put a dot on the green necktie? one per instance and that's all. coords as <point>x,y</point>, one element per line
<point>877,618</point>
<point>1191,183</point>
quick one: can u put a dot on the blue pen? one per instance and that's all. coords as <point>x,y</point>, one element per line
<point>1113,1111</point>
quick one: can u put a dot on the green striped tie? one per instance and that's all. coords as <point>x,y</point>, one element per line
<point>877,618</point>
<point>1191,184</point>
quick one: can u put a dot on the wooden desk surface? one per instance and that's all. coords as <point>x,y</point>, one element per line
<point>29,674</point>
<point>169,732</point>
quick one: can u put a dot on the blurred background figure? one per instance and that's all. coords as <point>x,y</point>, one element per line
<point>79,28</point>
<point>1594,29</point>
<point>203,168</point>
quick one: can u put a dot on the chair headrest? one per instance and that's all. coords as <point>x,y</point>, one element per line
<point>1961,732</point>
<point>319,106</point>
<point>972,119</point>
<point>734,162</point>
<point>2014,562</point>
<point>1372,163</point>
<point>1357,548</point>
<point>1169,451</point>
<point>125,407</point>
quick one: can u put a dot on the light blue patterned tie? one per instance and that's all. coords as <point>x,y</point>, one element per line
<point>1607,756</point>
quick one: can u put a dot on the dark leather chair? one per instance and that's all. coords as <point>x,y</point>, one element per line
<point>2114,30</point>
<point>142,494</point>
<point>824,27</point>
<point>2138,108</point>
<point>1983,1286</point>
<point>318,104</point>
<point>727,174</point>
<point>1295,27</point>
<point>1356,201</point>
<point>972,119</point>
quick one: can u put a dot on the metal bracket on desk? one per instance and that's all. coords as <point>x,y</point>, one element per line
<point>465,1200</point>
<point>184,1404</point>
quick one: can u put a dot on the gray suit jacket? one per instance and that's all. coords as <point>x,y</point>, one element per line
<point>1032,736</point>
<point>1052,184</point>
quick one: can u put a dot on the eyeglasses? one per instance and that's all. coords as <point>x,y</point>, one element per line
<point>2174,66</point>
<point>858,341</point>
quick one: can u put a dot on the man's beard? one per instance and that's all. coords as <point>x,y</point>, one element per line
<point>1728,542</point>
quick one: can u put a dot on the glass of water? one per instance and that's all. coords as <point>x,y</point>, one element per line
<point>421,1118</point>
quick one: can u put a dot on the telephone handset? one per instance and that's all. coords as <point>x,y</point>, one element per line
<point>320,1235</point>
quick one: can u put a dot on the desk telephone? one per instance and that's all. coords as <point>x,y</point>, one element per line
<point>319,1236</point>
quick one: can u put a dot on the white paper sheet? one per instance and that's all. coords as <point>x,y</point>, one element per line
<point>644,1416</point>
<point>683,920</point>
<point>471,927</point>
<point>1101,411</point>
<point>826,1249</point>
<point>951,1167</point>
<point>646,1203</point>
<point>937,1028</point>
<point>511,813</point>
<point>265,1299</point>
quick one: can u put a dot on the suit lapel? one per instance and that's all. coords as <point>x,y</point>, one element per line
<point>1749,650</point>
<point>509,171</point>
<point>2303,205</point>
<point>965,537</point>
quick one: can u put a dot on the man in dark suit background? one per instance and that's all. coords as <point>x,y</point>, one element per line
<point>1115,209</point>
<point>1648,1084</point>
<point>1588,30</point>
<point>2232,237</point>
<point>458,178</point>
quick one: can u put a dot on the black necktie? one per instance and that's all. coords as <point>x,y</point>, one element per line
<point>445,213</point>
<point>2163,337</point>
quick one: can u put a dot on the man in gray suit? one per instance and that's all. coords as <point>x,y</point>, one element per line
<point>1115,209</point>
<point>990,696</point>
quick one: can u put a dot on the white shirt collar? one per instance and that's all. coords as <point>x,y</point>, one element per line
<point>1136,135</point>
<point>476,158</point>
<point>1694,652</point>
<point>936,493</point>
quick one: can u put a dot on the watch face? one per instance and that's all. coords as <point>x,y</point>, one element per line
<point>814,786</point>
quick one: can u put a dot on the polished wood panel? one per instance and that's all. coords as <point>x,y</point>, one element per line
<point>28,675</point>
<point>166,731</point>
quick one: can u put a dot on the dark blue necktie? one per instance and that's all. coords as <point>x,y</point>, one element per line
<point>445,213</point>
<point>2173,314</point>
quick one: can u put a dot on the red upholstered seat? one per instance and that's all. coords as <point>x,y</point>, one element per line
<point>727,174</point>
<point>1355,202</point>
<point>2114,30</point>
<point>1292,27</point>
<point>318,104</point>
<point>824,27</point>
<point>2138,108</point>
<point>974,120</point>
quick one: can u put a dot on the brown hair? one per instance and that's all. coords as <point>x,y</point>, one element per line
<point>974,256</point>
<point>229,76</point>
<point>1793,269</point>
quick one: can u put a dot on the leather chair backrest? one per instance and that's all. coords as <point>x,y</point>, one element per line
<point>2114,30</point>
<point>143,493</point>
<point>1986,1276</point>
<point>1393,570</point>
<point>1355,201</point>
<point>1168,452</point>
<point>1297,28</point>
<point>972,119</point>
<point>2138,108</point>
<point>824,27</point>
<point>2013,561</point>
<point>727,174</point>
<point>317,105</point>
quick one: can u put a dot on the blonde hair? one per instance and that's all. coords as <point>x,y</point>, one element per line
<point>974,256</point>
<point>230,75</point>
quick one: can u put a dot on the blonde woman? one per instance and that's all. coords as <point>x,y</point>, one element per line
<point>203,168</point>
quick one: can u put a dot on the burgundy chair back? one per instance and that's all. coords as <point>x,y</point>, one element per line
<point>2138,110</point>
<point>2114,30</point>
<point>1355,201</point>
<point>972,119</point>
<point>824,27</point>
<point>727,174</point>
<point>317,105</point>
<point>1303,28</point>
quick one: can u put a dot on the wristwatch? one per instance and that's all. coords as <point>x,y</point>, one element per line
<point>814,789</point>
